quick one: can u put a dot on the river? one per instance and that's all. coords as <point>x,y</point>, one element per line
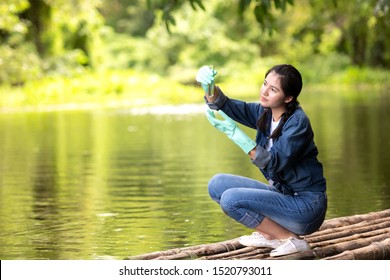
<point>110,183</point>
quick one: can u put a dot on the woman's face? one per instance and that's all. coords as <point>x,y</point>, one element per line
<point>271,93</point>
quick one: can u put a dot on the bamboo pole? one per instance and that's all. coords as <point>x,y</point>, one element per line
<point>343,221</point>
<point>206,250</point>
<point>239,254</point>
<point>349,234</point>
<point>377,223</point>
<point>376,251</point>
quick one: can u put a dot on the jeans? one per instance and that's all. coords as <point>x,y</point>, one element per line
<point>249,201</point>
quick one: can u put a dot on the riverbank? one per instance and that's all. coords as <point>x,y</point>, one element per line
<point>93,90</point>
<point>130,89</point>
<point>105,89</point>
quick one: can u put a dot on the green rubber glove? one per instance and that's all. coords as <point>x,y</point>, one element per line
<point>230,128</point>
<point>205,77</point>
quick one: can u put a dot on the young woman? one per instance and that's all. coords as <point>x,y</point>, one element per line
<point>294,202</point>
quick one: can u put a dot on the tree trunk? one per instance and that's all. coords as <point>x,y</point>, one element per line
<point>39,15</point>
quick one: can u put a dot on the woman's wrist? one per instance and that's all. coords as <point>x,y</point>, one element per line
<point>252,154</point>
<point>212,98</point>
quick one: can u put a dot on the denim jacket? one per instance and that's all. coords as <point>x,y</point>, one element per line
<point>292,162</point>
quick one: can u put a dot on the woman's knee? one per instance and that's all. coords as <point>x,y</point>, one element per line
<point>228,199</point>
<point>216,186</point>
<point>236,208</point>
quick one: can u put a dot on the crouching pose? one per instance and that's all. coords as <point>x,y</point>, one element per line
<point>294,202</point>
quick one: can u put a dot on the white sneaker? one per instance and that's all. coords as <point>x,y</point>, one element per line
<point>258,240</point>
<point>290,246</point>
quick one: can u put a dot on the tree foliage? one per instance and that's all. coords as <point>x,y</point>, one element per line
<point>44,37</point>
<point>39,36</point>
<point>262,9</point>
<point>364,28</point>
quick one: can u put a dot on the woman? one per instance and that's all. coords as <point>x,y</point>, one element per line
<point>294,202</point>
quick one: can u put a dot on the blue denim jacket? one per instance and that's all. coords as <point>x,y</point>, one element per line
<point>292,162</point>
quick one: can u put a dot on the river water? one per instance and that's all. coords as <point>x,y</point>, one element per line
<point>110,183</point>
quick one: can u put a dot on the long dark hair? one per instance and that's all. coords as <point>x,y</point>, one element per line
<point>291,83</point>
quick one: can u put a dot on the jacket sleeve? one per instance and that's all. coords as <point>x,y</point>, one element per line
<point>242,112</point>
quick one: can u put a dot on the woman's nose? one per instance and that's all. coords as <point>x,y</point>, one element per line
<point>264,90</point>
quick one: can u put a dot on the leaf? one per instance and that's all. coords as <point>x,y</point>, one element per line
<point>168,19</point>
<point>259,13</point>
<point>199,3</point>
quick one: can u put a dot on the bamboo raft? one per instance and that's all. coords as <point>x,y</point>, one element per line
<point>357,237</point>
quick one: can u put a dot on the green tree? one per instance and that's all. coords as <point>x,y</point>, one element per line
<point>363,28</point>
<point>363,25</point>
<point>45,36</point>
<point>18,59</point>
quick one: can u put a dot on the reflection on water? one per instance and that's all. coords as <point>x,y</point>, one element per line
<point>108,184</point>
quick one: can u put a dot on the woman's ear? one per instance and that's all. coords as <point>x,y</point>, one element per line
<point>288,99</point>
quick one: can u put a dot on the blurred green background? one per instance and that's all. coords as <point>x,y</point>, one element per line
<point>93,52</point>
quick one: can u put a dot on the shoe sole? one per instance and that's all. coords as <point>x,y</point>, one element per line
<point>286,254</point>
<point>258,245</point>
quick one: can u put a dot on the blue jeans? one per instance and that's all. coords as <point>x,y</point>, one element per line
<point>249,201</point>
